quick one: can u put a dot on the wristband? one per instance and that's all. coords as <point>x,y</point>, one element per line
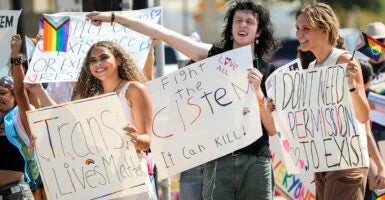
<point>352,89</point>
<point>16,61</point>
<point>262,101</point>
<point>112,18</point>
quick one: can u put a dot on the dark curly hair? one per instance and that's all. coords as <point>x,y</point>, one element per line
<point>267,42</point>
<point>88,85</point>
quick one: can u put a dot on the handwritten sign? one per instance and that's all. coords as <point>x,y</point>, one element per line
<point>83,152</point>
<point>203,111</point>
<point>65,66</point>
<point>8,27</point>
<point>314,113</point>
<point>293,186</point>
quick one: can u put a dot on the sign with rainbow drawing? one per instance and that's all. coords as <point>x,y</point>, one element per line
<point>68,37</point>
<point>83,152</point>
<point>8,26</point>
<point>56,31</point>
<point>317,124</point>
<point>293,186</point>
<point>203,111</point>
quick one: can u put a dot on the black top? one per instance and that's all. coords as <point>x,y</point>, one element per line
<point>377,69</point>
<point>10,157</point>
<point>261,146</point>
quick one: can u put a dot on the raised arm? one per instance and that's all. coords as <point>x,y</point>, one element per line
<point>19,90</point>
<point>192,49</point>
<point>356,85</point>
<point>149,64</point>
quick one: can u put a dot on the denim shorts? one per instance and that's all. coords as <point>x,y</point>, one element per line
<point>18,190</point>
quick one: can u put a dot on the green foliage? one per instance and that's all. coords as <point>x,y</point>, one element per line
<point>377,6</point>
<point>371,5</point>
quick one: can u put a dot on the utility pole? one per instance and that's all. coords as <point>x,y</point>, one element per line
<point>98,5</point>
<point>17,5</point>
<point>139,4</point>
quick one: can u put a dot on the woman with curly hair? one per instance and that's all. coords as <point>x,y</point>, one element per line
<point>108,68</point>
<point>248,169</point>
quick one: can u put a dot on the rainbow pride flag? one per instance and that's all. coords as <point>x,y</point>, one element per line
<point>369,46</point>
<point>378,195</point>
<point>56,31</point>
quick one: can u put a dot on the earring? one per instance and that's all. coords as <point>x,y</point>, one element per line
<point>256,41</point>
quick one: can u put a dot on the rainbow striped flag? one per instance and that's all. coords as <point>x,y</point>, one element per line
<point>369,46</point>
<point>56,31</point>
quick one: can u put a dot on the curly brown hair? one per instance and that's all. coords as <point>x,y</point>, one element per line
<point>88,85</point>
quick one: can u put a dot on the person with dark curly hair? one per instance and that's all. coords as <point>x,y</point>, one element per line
<point>246,173</point>
<point>108,68</point>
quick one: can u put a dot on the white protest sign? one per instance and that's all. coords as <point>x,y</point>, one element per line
<point>203,111</point>
<point>83,152</point>
<point>377,105</point>
<point>290,66</point>
<point>48,66</point>
<point>293,186</point>
<point>316,120</point>
<point>8,28</point>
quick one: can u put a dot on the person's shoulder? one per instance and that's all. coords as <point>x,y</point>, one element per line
<point>215,50</point>
<point>134,87</point>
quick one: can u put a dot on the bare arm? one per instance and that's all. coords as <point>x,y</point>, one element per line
<point>355,80</point>
<point>38,91</point>
<point>255,78</point>
<point>149,64</point>
<point>374,153</point>
<point>141,105</point>
<point>192,49</point>
<point>18,85</point>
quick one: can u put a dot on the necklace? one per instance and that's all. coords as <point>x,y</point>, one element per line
<point>118,85</point>
<point>321,63</point>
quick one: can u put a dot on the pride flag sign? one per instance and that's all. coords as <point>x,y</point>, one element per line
<point>56,31</point>
<point>370,46</point>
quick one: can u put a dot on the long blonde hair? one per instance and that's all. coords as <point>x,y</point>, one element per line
<point>88,85</point>
<point>321,16</point>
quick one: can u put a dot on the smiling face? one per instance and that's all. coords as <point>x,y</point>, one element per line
<point>7,100</point>
<point>244,28</point>
<point>103,64</point>
<point>309,38</point>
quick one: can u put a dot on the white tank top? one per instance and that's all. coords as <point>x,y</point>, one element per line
<point>126,107</point>
<point>332,60</point>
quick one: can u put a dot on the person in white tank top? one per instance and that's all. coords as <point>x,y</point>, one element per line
<point>108,68</point>
<point>317,31</point>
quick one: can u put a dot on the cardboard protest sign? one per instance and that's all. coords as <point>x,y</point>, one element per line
<point>377,105</point>
<point>203,111</point>
<point>83,152</point>
<point>8,27</point>
<point>316,120</point>
<point>293,186</point>
<point>48,66</point>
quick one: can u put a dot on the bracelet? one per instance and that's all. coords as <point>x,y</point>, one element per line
<point>352,89</point>
<point>16,61</point>
<point>262,101</point>
<point>112,18</point>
